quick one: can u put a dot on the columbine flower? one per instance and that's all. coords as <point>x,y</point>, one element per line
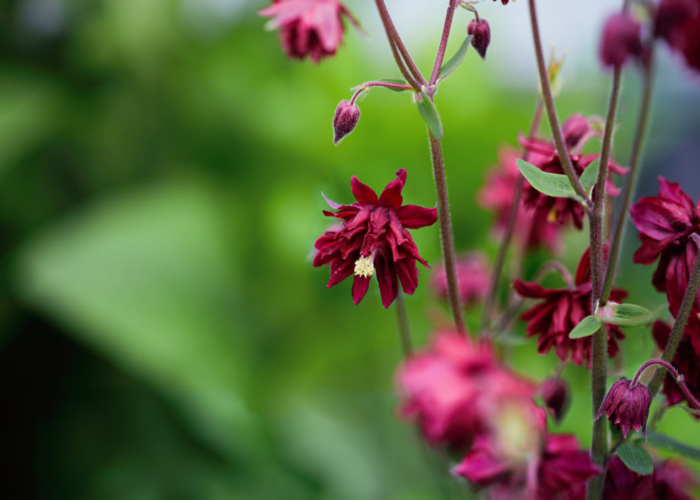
<point>481,33</point>
<point>669,481</point>
<point>532,229</point>
<point>311,28</point>
<point>543,154</point>
<point>472,278</point>
<point>375,240</point>
<point>685,360</point>
<point>621,41</point>
<point>627,406</point>
<point>563,309</point>
<point>556,395</point>
<point>678,22</point>
<point>666,223</point>
<point>344,120</point>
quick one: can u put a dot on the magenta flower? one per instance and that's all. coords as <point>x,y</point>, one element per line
<point>577,131</point>
<point>621,40</point>
<point>669,481</point>
<point>685,361</point>
<point>375,240</point>
<point>533,230</point>
<point>472,278</point>
<point>678,22</point>
<point>561,310</point>
<point>481,33</point>
<point>627,406</point>
<point>556,395</point>
<point>666,223</point>
<point>312,28</point>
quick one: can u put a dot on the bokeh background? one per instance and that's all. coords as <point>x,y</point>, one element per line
<point>162,332</point>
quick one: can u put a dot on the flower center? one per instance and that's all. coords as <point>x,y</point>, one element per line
<point>364,267</point>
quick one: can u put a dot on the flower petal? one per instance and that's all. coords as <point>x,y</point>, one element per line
<point>359,288</point>
<point>415,217</point>
<point>659,218</point>
<point>388,282</point>
<point>673,191</point>
<point>391,196</point>
<point>364,194</point>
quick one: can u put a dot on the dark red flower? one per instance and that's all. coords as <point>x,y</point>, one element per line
<point>561,310</point>
<point>533,230</point>
<point>473,278</point>
<point>621,40</point>
<point>678,22</point>
<point>543,154</point>
<point>685,360</point>
<point>375,237</point>
<point>666,223</point>
<point>344,120</point>
<point>481,33</point>
<point>627,406</point>
<point>669,481</point>
<point>556,395</point>
<point>312,28</point>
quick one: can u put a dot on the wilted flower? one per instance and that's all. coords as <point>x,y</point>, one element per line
<point>669,481</point>
<point>627,406</point>
<point>666,223</point>
<point>685,360</point>
<point>472,278</point>
<point>375,239</point>
<point>311,28</point>
<point>621,40</point>
<point>563,309</point>
<point>557,396</point>
<point>344,120</point>
<point>481,33</point>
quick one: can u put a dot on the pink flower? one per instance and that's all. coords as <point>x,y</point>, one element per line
<point>561,310</point>
<point>532,229</point>
<point>666,223</point>
<point>543,154</point>
<point>669,481</point>
<point>621,41</point>
<point>375,237</point>
<point>685,360</point>
<point>627,406</point>
<point>311,28</point>
<point>456,387</point>
<point>472,277</point>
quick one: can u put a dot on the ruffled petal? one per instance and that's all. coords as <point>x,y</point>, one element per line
<point>655,217</point>
<point>364,194</point>
<point>391,196</point>
<point>531,290</point>
<point>388,282</point>
<point>673,191</point>
<point>415,217</point>
<point>359,288</point>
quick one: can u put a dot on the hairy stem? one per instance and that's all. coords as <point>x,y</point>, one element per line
<point>443,41</point>
<point>677,377</point>
<point>448,248</point>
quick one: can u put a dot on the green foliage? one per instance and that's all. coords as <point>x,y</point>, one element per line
<point>453,63</point>
<point>586,327</point>
<point>556,185</point>
<point>636,459</point>
<point>429,113</point>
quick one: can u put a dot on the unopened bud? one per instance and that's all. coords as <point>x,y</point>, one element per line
<point>622,40</point>
<point>557,397</point>
<point>481,34</point>
<point>344,121</point>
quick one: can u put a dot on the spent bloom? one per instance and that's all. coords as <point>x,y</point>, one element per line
<point>685,361</point>
<point>621,40</point>
<point>344,120</point>
<point>556,395</point>
<point>669,481</point>
<point>481,33</point>
<point>627,406</point>
<point>375,240</point>
<point>472,278</point>
<point>666,224</point>
<point>561,310</point>
<point>312,28</point>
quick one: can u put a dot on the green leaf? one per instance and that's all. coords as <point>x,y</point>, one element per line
<point>691,411</point>
<point>556,185</point>
<point>397,81</point>
<point>430,115</point>
<point>636,459</point>
<point>456,59</point>
<point>589,177</point>
<point>629,315</point>
<point>587,327</point>
<point>669,444</point>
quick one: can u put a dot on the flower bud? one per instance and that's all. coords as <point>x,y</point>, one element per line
<point>481,35</point>
<point>557,397</point>
<point>626,406</point>
<point>576,128</point>
<point>346,117</point>
<point>622,40</point>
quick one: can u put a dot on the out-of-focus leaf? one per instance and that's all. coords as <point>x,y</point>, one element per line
<point>556,185</point>
<point>456,59</point>
<point>636,459</point>
<point>589,177</point>
<point>669,444</point>
<point>430,115</point>
<point>629,315</point>
<point>690,411</point>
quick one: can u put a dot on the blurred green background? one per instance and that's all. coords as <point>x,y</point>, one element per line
<point>162,332</point>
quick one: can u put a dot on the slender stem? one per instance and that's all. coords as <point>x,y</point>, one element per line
<point>677,376</point>
<point>404,326</point>
<point>414,78</point>
<point>631,180</point>
<point>552,112</point>
<point>443,41</point>
<point>510,230</point>
<point>681,320</point>
<point>361,88</point>
<point>448,248</point>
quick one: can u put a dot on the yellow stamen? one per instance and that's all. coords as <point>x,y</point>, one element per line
<point>364,267</point>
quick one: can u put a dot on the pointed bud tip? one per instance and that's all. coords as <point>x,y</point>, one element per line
<point>481,35</point>
<point>344,121</point>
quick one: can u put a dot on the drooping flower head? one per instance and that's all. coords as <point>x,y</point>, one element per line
<point>627,406</point>
<point>621,40</point>
<point>375,240</point>
<point>666,224</point>
<point>669,481</point>
<point>678,22</point>
<point>556,395</point>
<point>472,278</point>
<point>312,28</point>
<point>532,229</point>
<point>344,120</point>
<point>685,360</point>
<point>561,310</point>
<point>481,33</point>
<point>577,131</point>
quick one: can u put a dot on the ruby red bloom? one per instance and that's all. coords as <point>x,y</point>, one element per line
<point>669,481</point>
<point>543,154</point>
<point>312,28</point>
<point>666,223</point>
<point>561,310</point>
<point>375,237</point>
<point>621,40</point>
<point>472,278</point>
<point>532,229</point>
<point>685,361</point>
<point>678,22</point>
<point>627,406</point>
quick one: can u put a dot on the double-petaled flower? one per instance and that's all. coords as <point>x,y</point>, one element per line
<point>472,278</point>
<point>375,240</point>
<point>666,224</point>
